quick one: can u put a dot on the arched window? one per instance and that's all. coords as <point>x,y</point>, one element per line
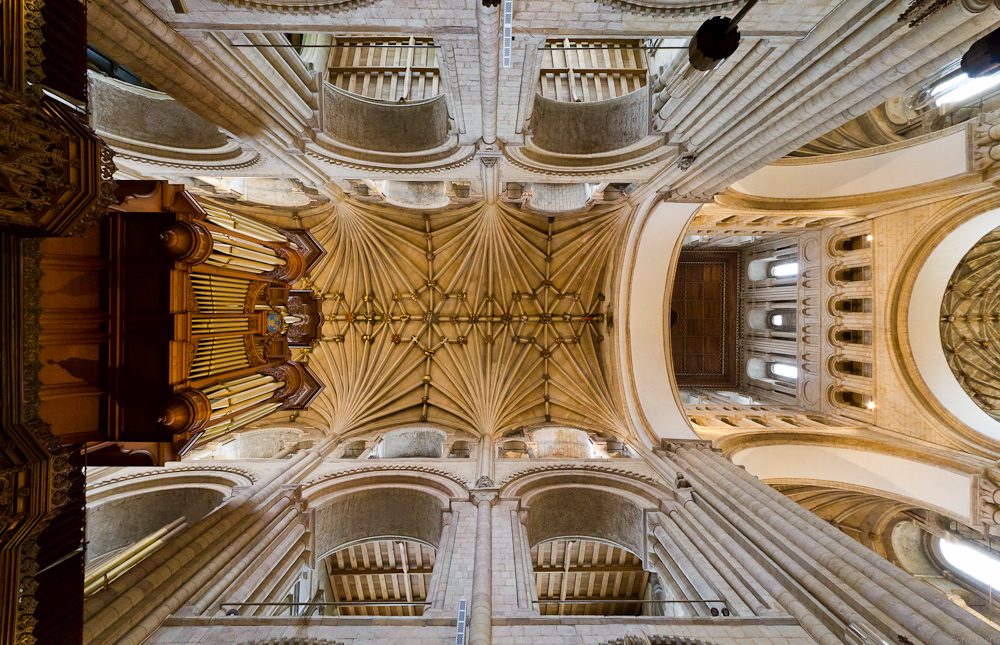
<point>854,399</point>
<point>355,449</point>
<point>853,368</point>
<point>854,243</point>
<point>853,337</point>
<point>783,269</point>
<point>854,305</point>
<point>514,450</point>
<point>854,274</point>
<point>972,562</point>
<point>390,565</point>
<point>781,320</point>
<point>780,267</point>
<point>775,319</point>
<point>459,450</point>
<point>783,371</point>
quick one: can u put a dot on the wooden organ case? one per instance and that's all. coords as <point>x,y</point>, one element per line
<point>201,318</point>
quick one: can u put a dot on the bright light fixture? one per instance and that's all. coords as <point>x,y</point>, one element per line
<point>871,405</point>
<point>777,320</point>
<point>787,371</point>
<point>972,562</point>
<point>962,87</point>
<point>785,270</point>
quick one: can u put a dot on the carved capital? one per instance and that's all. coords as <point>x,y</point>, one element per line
<point>478,497</point>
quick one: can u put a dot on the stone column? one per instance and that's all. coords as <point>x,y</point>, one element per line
<point>676,563</point>
<point>442,568</point>
<point>925,621</point>
<point>173,575</point>
<point>481,615</point>
<point>667,579</point>
<point>487,457</point>
<point>488,19</point>
<point>519,568</point>
<point>288,449</point>
<point>918,595</point>
<point>731,577</point>
<point>531,592</point>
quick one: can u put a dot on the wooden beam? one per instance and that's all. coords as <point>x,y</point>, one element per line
<point>588,569</point>
<point>595,70</point>
<point>383,572</point>
<point>388,69</point>
<point>405,560</point>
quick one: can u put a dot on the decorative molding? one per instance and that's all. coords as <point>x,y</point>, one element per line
<point>308,7</point>
<point>672,8</point>
<point>659,640</point>
<point>382,468</point>
<point>425,169</point>
<point>164,472</point>
<point>254,161</point>
<point>577,467</point>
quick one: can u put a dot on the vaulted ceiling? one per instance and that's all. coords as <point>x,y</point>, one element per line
<point>483,319</point>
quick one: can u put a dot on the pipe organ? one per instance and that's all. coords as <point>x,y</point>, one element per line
<point>203,319</point>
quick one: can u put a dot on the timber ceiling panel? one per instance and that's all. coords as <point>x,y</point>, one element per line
<point>377,574</point>
<point>483,318</point>
<point>596,578</point>
<point>703,315</point>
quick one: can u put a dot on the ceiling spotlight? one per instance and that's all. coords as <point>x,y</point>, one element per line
<point>871,405</point>
<point>869,237</point>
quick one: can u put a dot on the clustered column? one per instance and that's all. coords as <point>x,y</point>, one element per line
<point>746,502</point>
<point>488,19</point>
<point>223,543</point>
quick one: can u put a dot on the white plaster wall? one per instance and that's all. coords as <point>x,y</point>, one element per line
<point>643,346</point>
<point>928,485</point>
<point>935,159</point>
<point>924,328</point>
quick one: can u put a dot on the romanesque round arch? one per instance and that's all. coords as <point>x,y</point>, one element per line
<point>363,504</point>
<point>123,510</point>
<point>604,504</point>
<point>916,352</point>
